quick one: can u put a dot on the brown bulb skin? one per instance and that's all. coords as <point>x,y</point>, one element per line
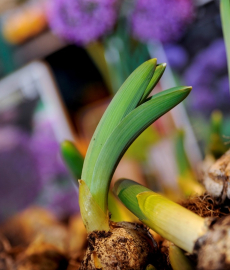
<point>125,246</point>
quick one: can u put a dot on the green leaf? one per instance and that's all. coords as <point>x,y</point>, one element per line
<point>72,158</point>
<point>123,102</point>
<point>125,133</point>
<point>155,79</point>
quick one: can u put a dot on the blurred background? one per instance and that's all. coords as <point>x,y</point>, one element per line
<point>61,61</point>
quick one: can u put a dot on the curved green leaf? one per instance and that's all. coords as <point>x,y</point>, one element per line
<point>123,102</point>
<point>155,79</point>
<point>125,133</point>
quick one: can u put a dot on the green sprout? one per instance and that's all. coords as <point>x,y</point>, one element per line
<point>178,225</point>
<point>160,214</point>
<point>129,113</point>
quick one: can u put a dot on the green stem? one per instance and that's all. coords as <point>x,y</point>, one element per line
<point>167,218</point>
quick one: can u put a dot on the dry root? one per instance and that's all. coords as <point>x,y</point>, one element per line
<point>126,246</point>
<point>205,206</point>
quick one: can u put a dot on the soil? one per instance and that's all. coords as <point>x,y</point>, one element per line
<point>35,239</point>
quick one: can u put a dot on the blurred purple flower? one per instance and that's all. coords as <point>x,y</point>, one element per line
<point>215,56</point>
<point>19,178</point>
<point>201,98</point>
<point>164,20</point>
<point>208,76</point>
<point>223,88</point>
<point>82,21</point>
<point>60,198</point>
<point>176,56</point>
<point>58,194</point>
<point>46,151</point>
<point>31,168</point>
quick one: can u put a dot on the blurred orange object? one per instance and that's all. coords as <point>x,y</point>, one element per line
<point>24,23</point>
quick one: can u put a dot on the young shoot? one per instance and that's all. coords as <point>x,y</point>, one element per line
<point>124,134</point>
<point>208,238</point>
<point>130,112</point>
<point>125,118</point>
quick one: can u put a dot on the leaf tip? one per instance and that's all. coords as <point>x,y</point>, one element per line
<point>186,89</point>
<point>153,61</point>
<point>65,143</point>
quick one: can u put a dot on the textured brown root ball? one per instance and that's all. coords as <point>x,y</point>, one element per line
<point>126,246</point>
<point>213,249</point>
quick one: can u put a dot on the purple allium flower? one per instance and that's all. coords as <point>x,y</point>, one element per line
<point>162,20</point>
<point>82,21</point>
<point>208,76</point>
